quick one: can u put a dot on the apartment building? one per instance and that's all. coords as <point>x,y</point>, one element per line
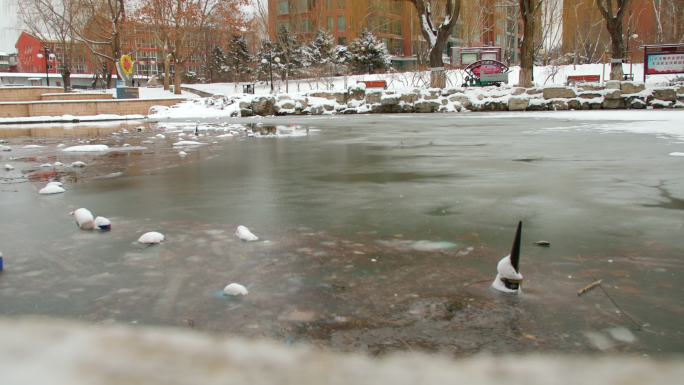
<point>486,22</point>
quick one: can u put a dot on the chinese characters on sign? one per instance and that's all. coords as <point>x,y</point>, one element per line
<point>663,59</point>
<point>665,64</point>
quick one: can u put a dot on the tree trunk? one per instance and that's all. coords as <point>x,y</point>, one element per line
<point>618,49</point>
<point>66,79</point>
<point>614,27</point>
<point>528,9</point>
<point>437,73</point>
<point>167,73</point>
<point>178,75</point>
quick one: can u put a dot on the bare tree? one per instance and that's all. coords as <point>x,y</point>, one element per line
<point>613,14</point>
<point>51,21</point>
<point>528,11</point>
<point>437,35</point>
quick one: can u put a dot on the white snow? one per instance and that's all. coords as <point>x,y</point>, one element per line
<point>84,219</point>
<point>103,223</point>
<point>184,143</point>
<point>58,184</point>
<point>58,164</point>
<point>51,189</point>
<point>9,167</point>
<point>151,238</point>
<point>235,289</point>
<point>182,154</point>
<point>78,163</point>
<point>505,270</point>
<point>87,148</point>
<point>244,234</point>
<point>46,165</point>
<point>677,153</point>
<point>33,146</point>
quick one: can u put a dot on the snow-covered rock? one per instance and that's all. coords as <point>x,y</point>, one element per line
<point>46,165</point>
<point>55,183</point>
<point>58,164</point>
<point>84,219</point>
<point>508,278</point>
<point>184,143</point>
<point>9,167</point>
<point>235,289</point>
<point>103,224</point>
<point>33,146</point>
<point>151,238</point>
<point>244,234</point>
<point>51,189</point>
<point>160,136</point>
<point>78,164</point>
<point>87,148</point>
<point>182,154</point>
<point>5,148</point>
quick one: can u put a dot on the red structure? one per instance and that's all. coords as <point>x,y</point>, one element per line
<point>663,59</point>
<point>31,56</point>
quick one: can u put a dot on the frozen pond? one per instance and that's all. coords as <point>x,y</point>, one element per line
<point>377,233</point>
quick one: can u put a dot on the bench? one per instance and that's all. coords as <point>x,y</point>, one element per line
<point>374,83</point>
<point>572,79</point>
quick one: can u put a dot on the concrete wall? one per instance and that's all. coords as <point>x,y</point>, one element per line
<point>82,107</point>
<point>26,94</point>
<point>78,96</point>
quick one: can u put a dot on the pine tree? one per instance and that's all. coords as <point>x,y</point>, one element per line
<point>288,47</point>
<point>265,60</point>
<point>239,59</point>
<point>321,47</point>
<point>369,54</point>
<point>218,63</point>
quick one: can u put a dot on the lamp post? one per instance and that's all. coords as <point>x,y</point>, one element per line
<point>47,55</point>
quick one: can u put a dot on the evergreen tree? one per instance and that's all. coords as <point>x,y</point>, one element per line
<point>265,60</point>
<point>291,55</point>
<point>218,65</point>
<point>239,58</point>
<point>368,54</point>
<point>321,47</point>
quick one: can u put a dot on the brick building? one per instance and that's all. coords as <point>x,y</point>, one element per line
<point>486,22</point>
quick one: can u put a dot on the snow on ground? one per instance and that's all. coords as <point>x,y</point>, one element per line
<point>543,76</point>
<point>158,93</point>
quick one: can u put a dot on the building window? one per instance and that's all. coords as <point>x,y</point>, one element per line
<point>341,24</point>
<point>306,26</point>
<point>283,7</point>
<point>330,24</point>
<point>340,4</point>
<point>282,26</point>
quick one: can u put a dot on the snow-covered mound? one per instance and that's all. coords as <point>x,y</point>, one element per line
<point>84,219</point>
<point>235,289</point>
<point>103,223</point>
<point>187,143</point>
<point>151,238</point>
<point>51,189</point>
<point>244,234</point>
<point>87,148</point>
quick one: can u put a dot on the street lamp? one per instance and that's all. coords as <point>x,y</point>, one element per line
<point>47,55</point>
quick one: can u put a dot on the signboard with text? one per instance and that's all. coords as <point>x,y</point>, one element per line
<point>663,59</point>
